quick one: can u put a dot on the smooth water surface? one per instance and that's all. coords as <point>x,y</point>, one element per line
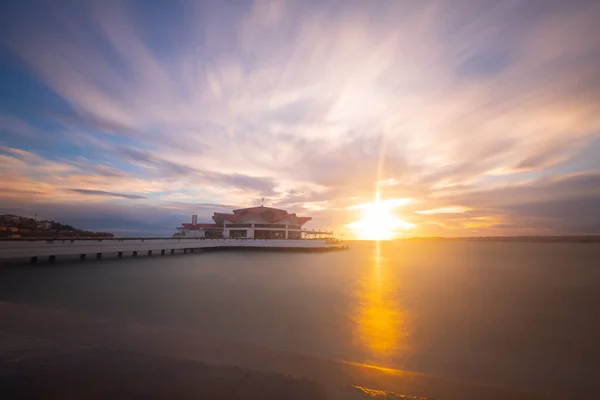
<point>512,314</point>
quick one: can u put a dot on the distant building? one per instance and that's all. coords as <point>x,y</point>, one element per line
<point>24,230</point>
<point>10,218</point>
<point>3,228</point>
<point>13,229</point>
<point>254,222</point>
<point>44,225</point>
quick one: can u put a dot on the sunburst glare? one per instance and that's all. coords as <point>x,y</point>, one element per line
<point>379,220</point>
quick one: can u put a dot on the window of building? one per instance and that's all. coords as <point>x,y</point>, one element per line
<point>238,233</point>
<point>239,225</point>
<point>213,234</point>
<point>269,234</point>
<point>294,235</point>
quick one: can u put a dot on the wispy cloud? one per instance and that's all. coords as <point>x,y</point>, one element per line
<point>445,210</point>
<point>108,194</point>
<point>15,126</point>
<point>481,107</point>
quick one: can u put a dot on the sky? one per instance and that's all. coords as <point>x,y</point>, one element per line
<point>473,118</point>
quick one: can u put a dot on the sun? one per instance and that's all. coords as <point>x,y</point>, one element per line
<point>378,220</point>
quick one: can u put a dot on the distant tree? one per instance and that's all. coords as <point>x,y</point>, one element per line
<point>56,229</point>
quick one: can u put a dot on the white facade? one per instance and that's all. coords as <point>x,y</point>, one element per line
<point>253,224</point>
<point>44,225</point>
<point>190,233</point>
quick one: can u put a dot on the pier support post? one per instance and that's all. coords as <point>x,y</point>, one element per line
<point>33,260</point>
<point>82,257</point>
<point>162,252</point>
<point>172,251</point>
<point>135,253</point>
<point>51,259</point>
<point>184,251</point>
<point>192,250</point>
<point>98,256</point>
<point>149,253</point>
<point>120,254</point>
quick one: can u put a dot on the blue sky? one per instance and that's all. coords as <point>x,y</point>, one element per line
<point>131,116</point>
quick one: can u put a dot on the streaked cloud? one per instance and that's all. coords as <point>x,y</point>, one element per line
<point>484,107</point>
<point>445,210</point>
<point>387,203</point>
<point>108,194</point>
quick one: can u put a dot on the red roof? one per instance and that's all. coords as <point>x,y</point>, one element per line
<point>199,226</point>
<point>303,220</point>
<point>208,225</point>
<point>219,217</point>
<point>269,214</point>
<point>257,210</point>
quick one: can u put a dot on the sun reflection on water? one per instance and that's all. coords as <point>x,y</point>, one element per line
<point>381,323</point>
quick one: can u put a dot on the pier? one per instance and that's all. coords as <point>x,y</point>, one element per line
<point>40,249</point>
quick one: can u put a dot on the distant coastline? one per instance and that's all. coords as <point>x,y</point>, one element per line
<point>19,227</point>
<point>528,239</point>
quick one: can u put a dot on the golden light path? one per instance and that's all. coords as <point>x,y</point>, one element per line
<point>378,220</point>
<point>381,323</point>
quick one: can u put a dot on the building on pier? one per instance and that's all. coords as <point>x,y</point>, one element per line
<point>252,223</point>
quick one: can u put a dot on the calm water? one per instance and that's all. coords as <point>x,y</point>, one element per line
<point>514,314</point>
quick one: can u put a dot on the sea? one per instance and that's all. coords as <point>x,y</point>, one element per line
<point>521,315</point>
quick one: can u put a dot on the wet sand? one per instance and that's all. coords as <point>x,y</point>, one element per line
<point>74,355</point>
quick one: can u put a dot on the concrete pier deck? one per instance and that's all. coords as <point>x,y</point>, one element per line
<point>50,249</point>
